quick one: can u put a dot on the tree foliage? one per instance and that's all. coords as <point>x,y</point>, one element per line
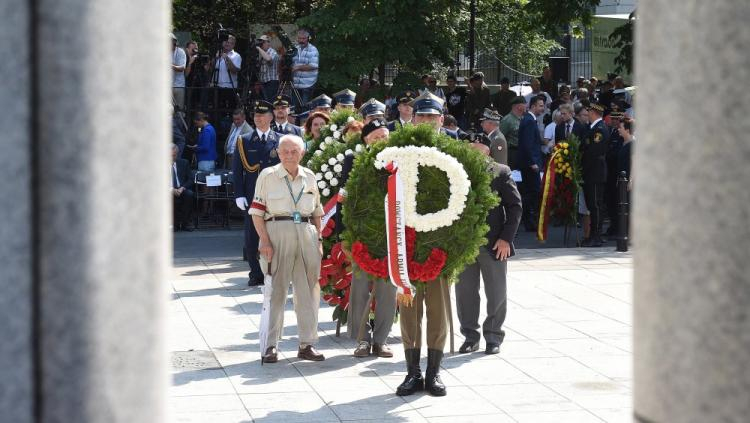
<point>622,38</point>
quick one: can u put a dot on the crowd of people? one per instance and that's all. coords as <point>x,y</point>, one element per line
<point>282,207</point>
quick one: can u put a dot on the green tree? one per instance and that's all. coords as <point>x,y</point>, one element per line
<point>622,38</point>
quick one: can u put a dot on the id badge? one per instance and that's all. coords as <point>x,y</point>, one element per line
<point>297,217</point>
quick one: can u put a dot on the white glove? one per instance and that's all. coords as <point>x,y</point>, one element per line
<point>241,202</point>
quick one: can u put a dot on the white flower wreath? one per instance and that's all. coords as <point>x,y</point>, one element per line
<point>409,159</point>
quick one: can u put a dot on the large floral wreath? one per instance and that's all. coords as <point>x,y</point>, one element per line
<point>446,226</point>
<point>330,133</point>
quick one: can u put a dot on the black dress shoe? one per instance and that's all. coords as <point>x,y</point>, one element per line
<point>468,347</point>
<point>255,281</point>
<point>492,348</point>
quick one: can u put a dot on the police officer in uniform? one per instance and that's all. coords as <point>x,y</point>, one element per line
<point>428,109</point>
<point>281,117</point>
<point>321,103</point>
<point>593,152</point>
<point>254,152</point>
<point>372,109</point>
<point>345,99</point>
<point>405,111</point>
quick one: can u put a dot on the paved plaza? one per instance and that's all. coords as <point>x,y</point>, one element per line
<point>566,356</point>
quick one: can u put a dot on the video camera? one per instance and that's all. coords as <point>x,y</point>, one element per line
<point>471,136</point>
<point>222,34</point>
<point>290,50</point>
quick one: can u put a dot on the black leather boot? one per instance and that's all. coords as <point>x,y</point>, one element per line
<point>413,381</point>
<point>432,383</point>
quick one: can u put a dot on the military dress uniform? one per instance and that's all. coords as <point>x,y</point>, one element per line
<point>432,301</point>
<point>593,153</point>
<point>285,127</point>
<point>405,97</point>
<point>498,145</point>
<point>253,153</point>
<point>288,206</point>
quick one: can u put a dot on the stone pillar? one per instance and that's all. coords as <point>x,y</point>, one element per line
<point>85,243</point>
<point>692,212</point>
<point>16,323</point>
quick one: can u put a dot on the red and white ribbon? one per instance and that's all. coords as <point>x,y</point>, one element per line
<point>395,223</point>
<point>330,209</point>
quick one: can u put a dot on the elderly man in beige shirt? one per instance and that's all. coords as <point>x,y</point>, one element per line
<point>286,212</point>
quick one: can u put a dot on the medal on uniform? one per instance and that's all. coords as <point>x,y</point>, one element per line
<point>297,217</point>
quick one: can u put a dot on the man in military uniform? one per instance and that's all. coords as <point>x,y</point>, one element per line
<point>490,123</point>
<point>286,212</point>
<point>405,111</point>
<point>593,152</point>
<point>345,99</point>
<point>492,263</point>
<point>372,109</point>
<point>321,103</point>
<point>613,152</point>
<point>281,117</point>
<point>509,127</point>
<point>254,152</point>
<point>428,108</point>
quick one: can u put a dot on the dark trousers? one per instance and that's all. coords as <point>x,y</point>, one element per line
<point>530,187</point>
<point>251,245</point>
<point>183,208</point>
<point>610,200</point>
<point>270,89</point>
<point>495,289</point>
<point>593,193</point>
<point>305,95</point>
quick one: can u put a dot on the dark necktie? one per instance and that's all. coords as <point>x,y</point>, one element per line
<point>263,138</point>
<point>567,130</point>
<point>175,183</point>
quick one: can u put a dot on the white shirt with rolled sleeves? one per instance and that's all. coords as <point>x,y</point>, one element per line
<point>272,197</point>
<point>223,80</point>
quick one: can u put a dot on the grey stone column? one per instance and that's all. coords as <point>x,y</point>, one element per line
<point>85,241</point>
<point>692,212</point>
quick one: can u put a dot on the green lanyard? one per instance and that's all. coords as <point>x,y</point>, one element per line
<point>295,200</point>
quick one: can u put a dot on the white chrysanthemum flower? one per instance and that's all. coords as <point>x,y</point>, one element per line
<point>332,161</point>
<point>323,146</point>
<point>340,157</point>
<point>338,168</point>
<point>324,167</point>
<point>348,152</point>
<point>328,140</point>
<point>318,176</point>
<point>359,148</point>
<point>334,182</point>
<point>350,119</point>
<point>328,175</point>
<point>337,134</point>
<point>322,184</point>
<point>326,192</point>
<point>318,153</point>
<point>333,127</point>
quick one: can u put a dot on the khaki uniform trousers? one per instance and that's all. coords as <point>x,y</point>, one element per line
<point>433,298</point>
<point>385,308</point>
<point>296,260</point>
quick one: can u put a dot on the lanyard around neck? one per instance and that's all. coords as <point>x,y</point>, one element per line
<point>291,193</point>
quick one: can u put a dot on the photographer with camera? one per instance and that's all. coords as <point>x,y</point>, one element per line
<point>226,69</point>
<point>269,68</point>
<point>195,76</point>
<point>305,68</point>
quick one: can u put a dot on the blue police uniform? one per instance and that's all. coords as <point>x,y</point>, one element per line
<point>252,155</point>
<point>282,100</point>
<point>405,97</point>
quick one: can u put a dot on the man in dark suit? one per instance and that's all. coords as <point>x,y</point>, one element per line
<point>529,161</point>
<point>254,152</point>
<point>492,264</point>
<point>281,117</point>
<point>182,193</point>
<point>569,125</point>
<point>593,153</point>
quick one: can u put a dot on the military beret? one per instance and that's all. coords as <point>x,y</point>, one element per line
<point>427,104</point>
<point>519,99</point>
<point>406,96</point>
<point>262,106</point>
<point>372,108</point>
<point>282,100</point>
<point>490,114</point>
<point>320,101</point>
<point>345,97</point>
<point>374,125</point>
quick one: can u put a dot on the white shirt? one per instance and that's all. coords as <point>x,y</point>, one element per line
<point>223,78</point>
<point>263,134</point>
<point>549,137</point>
<point>179,59</point>
<point>232,140</point>
<point>174,176</point>
<point>281,126</point>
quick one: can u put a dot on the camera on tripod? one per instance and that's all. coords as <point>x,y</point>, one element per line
<point>471,137</point>
<point>222,34</point>
<point>290,50</point>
